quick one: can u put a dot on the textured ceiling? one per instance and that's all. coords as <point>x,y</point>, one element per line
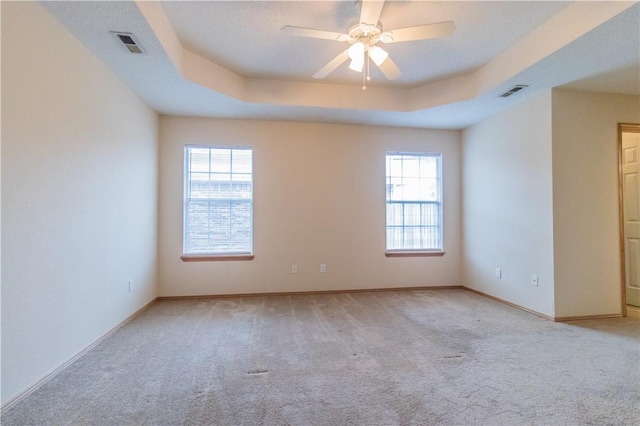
<point>245,36</point>
<point>230,59</point>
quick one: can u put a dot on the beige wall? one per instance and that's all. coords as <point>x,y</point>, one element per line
<point>319,198</point>
<point>540,195</point>
<point>79,185</point>
<point>585,200</point>
<point>507,198</point>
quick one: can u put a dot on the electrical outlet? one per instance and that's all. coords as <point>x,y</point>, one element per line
<point>534,280</point>
<point>498,273</point>
<point>130,285</point>
<point>294,269</point>
<point>323,268</point>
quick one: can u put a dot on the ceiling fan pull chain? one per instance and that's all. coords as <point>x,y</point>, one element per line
<point>365,71</point>
<point>364,82</point>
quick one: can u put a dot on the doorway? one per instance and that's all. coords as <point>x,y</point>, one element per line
<point>629,199</point>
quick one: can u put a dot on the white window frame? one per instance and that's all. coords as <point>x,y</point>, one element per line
<point>420,199</point>
<point>212,252</point>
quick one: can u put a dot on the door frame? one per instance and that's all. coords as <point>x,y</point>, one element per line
<point>623,128</point>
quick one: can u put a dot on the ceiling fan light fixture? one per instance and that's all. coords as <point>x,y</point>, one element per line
<point>356,52</point>
<point>378,55</point>
<point>357,64</point>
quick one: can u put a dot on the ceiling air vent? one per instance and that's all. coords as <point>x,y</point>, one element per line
<point>129,42</point>
<point>513,90</point>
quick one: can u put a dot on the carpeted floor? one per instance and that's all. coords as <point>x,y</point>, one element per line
<point>445,357</point>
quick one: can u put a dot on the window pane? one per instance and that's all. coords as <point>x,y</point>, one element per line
<point>221,160</point>
<point>428,167</point>
<point>394,238</point>
<point>199,160</point>
<point>394,214</point>
<point>242,162</point>
<point>412,237</point>
<point>218,212</point>
<point>430,214</point>
<point>412,215</point>
<point>410,166</point>
<point>414,201</point>
<point>394,165</point>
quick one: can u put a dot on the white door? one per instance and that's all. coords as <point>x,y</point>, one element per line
<point>631,215</point>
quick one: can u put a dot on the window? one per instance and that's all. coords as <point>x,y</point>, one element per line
<point>218,203</point>
<point>414,203</point>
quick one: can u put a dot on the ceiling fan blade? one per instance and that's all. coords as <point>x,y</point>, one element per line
<point>390,69</point>
<point>370,13</point>
<point>309,32</point>
<point>421,32</point>
<point>332,65</point>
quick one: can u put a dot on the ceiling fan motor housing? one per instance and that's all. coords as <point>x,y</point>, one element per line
<point>366,33</point>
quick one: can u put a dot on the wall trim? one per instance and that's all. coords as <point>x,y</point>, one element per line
<point>382,289</point>
<point>538,314</point>
<point>513,305</point>
<point>623,128</point>
<point>633,311</point>
<point>311,292</point>
<point>586,317</point>
<point>57,370</point>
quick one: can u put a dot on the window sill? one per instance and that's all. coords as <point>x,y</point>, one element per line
<point>401,253</point>
<point>214,258</point>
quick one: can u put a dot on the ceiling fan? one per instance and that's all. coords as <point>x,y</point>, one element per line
<point>364,37</point>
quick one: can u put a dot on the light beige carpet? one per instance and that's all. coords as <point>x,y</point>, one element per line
<point>445,357</point>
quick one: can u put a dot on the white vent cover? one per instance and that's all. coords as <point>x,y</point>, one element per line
<point>129,42</point>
